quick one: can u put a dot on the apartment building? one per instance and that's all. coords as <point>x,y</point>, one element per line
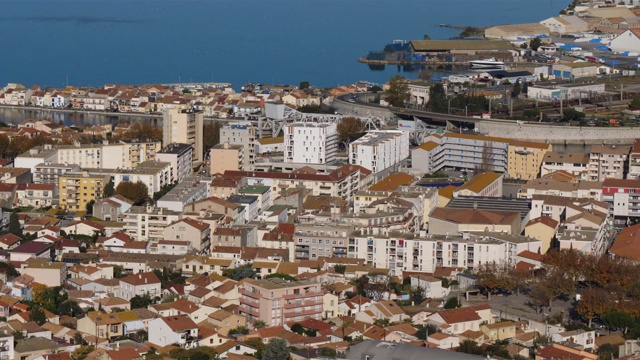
<point>623,197</point>
<point>484,184</point>
<point>77,189</point>
<point>310,143</point>
<point>343,182</point>
<point>45,154</point>
<point>241,133</point>
<point>179,156</point>
<point>315,240</point>
<point>380,149</point>
<point>184,127</point>
<point>401,251</point>
<point>189,190</point>
<point>36,195</point>
<point>525,158</point>
<point>517,159</point>
<point>634,161</point>
<point>608,162</point>
<point>154,174</point>
<point>49,173</point>
<point>575,163</point>
<point>227,157</point>
<point>148,223</point>
<point>277,301</point>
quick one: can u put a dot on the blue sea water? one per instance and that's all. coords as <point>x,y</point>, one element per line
<point>94,42</point>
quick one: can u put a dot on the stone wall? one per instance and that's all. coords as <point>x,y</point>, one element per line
<point>559,134</point>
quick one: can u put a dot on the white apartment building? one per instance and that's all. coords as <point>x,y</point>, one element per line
<point>607,162</point>
<point>380,149</point>
<point>153,174</point>
<point>184,127</point>
<point>189,190</point>
<point>49,173</point>
<point>241,133</point>
<point>45,154</point>
<point>310,143</point>
<point>403,251</point>
<point>106,156</point>
<point>179,156</point>
<point>634,161</point>
<point>148,223</point>
<point>575,163</point>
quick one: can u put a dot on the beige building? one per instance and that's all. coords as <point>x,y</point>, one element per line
<point>196,232</point>
<point>515,30</point>
<point>225,157</point>
<point>575,163</point>
<point>44,271</point>
<point>543,228</point>
<point>607,162</point>
<point>184,127</point>
<point>524,159</point>
<point>449,221</point>
<point>484,184</point>
<point>276,301</point>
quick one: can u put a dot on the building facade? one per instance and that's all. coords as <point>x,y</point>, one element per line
<point>184,127</point>
<point>310,143</point>
<point>379,150</point>
<point>241,133</point>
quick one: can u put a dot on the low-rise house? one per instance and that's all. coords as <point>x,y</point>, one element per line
<point>431,286</point>
<point>178,330</point>
<point>198,233</point>
<point>9,241</point>
<point>457,321</point>
<point>499,331</point>
<point>110,209</point>
<point>139,285</point>
<point>576,338</point>
<point>388,310</point>
<point>224,321</point>
<point>31,249</point>
<point>36,195</point>
<point>444,341</point>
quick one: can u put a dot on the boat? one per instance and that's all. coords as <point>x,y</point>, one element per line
<point>490,63</point>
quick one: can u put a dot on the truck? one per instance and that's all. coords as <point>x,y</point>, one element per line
<point>591,59</point>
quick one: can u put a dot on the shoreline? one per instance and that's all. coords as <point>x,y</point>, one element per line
<point>74,111</point>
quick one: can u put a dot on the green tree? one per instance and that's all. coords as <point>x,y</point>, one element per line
<point>211,135</point>
<point>38,316</point>
<point>398,92</point>
<point>82,352</point>
<point>438,99</point>
<point>257,344</point>
<point>240,330</point>
<point>607,352</point>
<point>240,272</point>
<point>136,192</point>
<point>70,308</point>
<point>141,301</point>
<point>89,207</point>
<point>535,43</point>
<point>620,319</point>
<point>118,271</point>
<point>11,270</point>
<point>259,324</point>
<point>109,189</point>
<point>14,225</point>
<point>470,347</point>
<point>417,295</point>
<point>452,303</point>
<point>516,90</point>
<point>425,330</point>
<point>276,349</point>
<point>571,114</point>
<point>340,269</point>
<point>297,328</point>
<point>375,89</point>
<point>304,85</point>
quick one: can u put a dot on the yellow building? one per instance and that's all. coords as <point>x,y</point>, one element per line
<point>78,189</point>
<point>499,331</point>
<point>543,228</point>
<point>525,158</point>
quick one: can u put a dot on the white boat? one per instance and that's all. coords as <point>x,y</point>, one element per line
<point>486,64</point>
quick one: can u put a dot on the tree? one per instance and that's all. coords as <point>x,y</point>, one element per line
<point>516,90</point>
<point>297,328</point>
<point>438,99</point>
<point>118,271</point>
<point>620,319</point>
<point>486,160</point>
<point>257,344</point>
<point>136,192</point>
<point>452,303</point>
<point>140,132</point>
<point>109,189</point>
<point>14,225</point>
<point>89,207</point>
<point>240,330</point>
<point>417,295</point>
<point>469,347</point>
<point>240,272</point>
<point>340,269</point>
<point>593,302</point>
<point>210,135</point>
<point>81,352</point>
<point>276,349</point>
<point>535,43</point>
<point>10,269</point>
<point>70,308</point>
<point>425,330</point>
<point>398,92</point>
<point>259,324</point>
<point>350,128</point>
<point>607,352</point>
<point>541,296</point>
<point>281,276</point>
<point>375,89</point>
<point>493,277</point>
<point>38,316</point>
<point>141,301</point>
<point>571,114</point>
<point>525,88</point>
<point>304,85</point>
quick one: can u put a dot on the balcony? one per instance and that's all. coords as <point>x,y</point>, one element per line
<point>249,310</point>
<point>294,305</point>
<point>294,313</point>
<point>250,294</point>
<point>302,295</point>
